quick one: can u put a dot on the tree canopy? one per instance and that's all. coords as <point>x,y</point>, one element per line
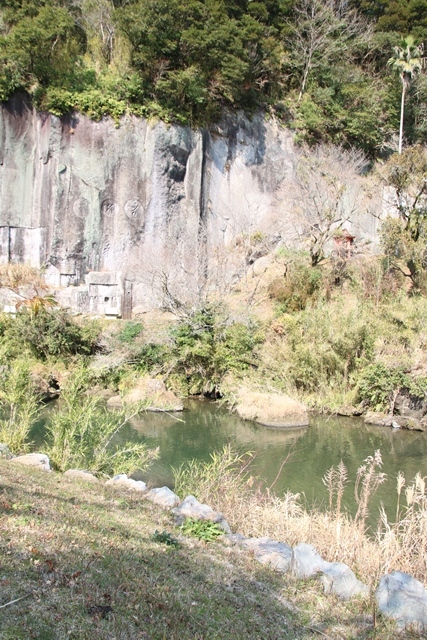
<point>319,65</point>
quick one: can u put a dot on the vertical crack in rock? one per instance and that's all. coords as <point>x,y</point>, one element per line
<point>202,270</point>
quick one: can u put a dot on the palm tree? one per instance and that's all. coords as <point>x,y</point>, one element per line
<point>408,60</point>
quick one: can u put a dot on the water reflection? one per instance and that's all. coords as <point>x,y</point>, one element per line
<point>205,427</point>
<point>311,451</point>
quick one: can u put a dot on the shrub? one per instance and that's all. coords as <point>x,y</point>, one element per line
<point>96,104</point>
<point>81,434</point>
<point>56,100</point>
<point>326,344</point>
<point>298,286</point>
<point>19,406</point>
<point>52,332</point>
<point>208,344</point>
<point>378,384</point>
<point>151,357</point>
<point>374,279</point>
<point>130,331</point>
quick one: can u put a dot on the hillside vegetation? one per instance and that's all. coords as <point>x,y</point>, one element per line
<point>321,66</point>
<point>330,326</point>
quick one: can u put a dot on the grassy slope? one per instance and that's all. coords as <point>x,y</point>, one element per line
<point>85,555</point>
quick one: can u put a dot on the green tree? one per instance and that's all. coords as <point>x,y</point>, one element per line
<point>40,49</point>
<point>404,238</point>
<point>408,61</point>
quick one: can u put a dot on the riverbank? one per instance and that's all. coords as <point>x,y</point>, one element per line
<point>88,562</point>
<point>345,343</point>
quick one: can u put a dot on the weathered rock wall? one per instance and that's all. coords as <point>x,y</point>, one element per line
<point>118,215</point>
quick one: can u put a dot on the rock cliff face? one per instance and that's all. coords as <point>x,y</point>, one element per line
<point>119,216</point>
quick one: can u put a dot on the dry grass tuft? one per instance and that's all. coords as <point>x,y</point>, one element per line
<point>225,484</point>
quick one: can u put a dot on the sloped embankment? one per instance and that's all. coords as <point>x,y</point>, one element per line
<point>83,561</point>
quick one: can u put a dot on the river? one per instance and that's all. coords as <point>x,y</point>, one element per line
<point>206,427</point>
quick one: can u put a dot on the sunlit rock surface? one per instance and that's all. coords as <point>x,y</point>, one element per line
<point>119,215</point>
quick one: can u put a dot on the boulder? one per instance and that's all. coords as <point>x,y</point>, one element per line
<point>259,265</point>
<point>121,480</point>
<point>410,406</point>
<point>38,460</point>
<point>409,422</point>
<point>5,452</point>
<point>339,579</point>
<point>164,497</point>
<point>80,474</point>
<point>403,598</point>
<point>378,419</point>
<point>306,562</point>
<point>154,394</point>
<point>349,410</point>
<point>190,507</point>
<point>276,555</point>
<point>232,539</point>
<point>271,409</point>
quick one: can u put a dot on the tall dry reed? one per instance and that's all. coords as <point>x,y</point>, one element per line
<point>226,484</point>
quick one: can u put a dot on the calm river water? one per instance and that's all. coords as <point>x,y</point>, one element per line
<point>312,451</point>
<point>205,427</point>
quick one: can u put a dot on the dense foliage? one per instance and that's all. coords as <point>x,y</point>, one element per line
<point>404,236</point>
<point>319,65</point>
<point>207,345</point>
<point>49,333</point>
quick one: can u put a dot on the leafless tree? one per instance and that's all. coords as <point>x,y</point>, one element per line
<point>97,21</point>
<point>209,261</point>
<point>320,31</point>
<point>324,195</point>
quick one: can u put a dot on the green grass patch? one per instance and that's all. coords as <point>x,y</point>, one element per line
<point>90,561</point>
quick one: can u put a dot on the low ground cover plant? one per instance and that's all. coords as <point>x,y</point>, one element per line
<point>164,537</point>
<point>201,529</point>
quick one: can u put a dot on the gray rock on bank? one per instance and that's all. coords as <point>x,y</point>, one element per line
<point>336,577</point>
<point>277,555</point>
<point>306,561</point>
<point>403,598</point>
<point>339,579</point>
<point>37,460</point>
<point>152,393</point>
<point>81,474</point>
<point>379,419</point>
<point>164,497</point>
<point>121,480</point>
<point>190,507</point>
